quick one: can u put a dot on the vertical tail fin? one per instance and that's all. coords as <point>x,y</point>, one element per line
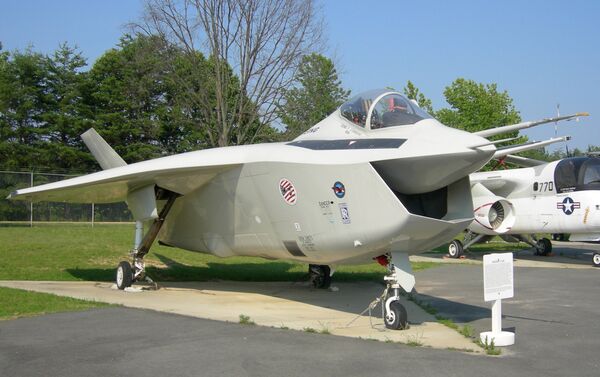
<point>102,152</point>
<point>141,201</point>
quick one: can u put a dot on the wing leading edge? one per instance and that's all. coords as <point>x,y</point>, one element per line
<point>114,185</point>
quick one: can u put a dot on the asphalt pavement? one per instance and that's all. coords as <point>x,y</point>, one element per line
<point>555,315</point>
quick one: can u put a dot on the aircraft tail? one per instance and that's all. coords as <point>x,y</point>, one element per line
<point>102,152</point>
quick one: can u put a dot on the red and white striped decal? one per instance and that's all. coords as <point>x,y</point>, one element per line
<point>288,191</point>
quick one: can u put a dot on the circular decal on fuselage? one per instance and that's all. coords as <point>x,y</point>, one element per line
<point>568,205</point>
<point>339,189</point>
<point>288,191</point>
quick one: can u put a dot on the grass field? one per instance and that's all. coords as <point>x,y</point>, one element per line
<point>80,252</point>
<point>17,303</point>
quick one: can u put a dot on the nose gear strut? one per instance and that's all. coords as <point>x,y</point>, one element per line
<point>400,276</point>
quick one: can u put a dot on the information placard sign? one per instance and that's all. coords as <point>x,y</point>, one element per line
<point>498,276</point>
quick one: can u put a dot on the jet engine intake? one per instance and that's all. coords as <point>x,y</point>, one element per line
<point>493,215</point>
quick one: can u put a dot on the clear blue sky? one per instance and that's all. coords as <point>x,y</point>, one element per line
<point>541,52</point>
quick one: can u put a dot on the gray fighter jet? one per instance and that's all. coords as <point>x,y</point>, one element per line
<point>377,179</point>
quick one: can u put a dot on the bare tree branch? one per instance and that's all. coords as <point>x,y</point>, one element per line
<point>254,48</point>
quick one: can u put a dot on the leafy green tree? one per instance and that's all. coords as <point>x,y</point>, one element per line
<point>194,92</point>
<point>412,92</point>
<point>576,152</point>
<point>69,114</point>
<point>23,103</point>
<point>151,98</point>
<point>318,94</point>
<point>128,92</point>
<point>186,125</point>
<point>475,107</point>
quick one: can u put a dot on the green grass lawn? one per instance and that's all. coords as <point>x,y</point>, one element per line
<point>18,303</point>
<point>80,252</point>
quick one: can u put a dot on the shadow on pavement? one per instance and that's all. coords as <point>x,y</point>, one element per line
<point>457,311</point>
<point>350,292</point>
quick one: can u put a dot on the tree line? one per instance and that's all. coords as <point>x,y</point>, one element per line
<point>192,75</point>
<point>130,95</point>
<point>134,96</point>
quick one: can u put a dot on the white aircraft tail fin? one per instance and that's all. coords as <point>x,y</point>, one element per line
<point>103,153</point>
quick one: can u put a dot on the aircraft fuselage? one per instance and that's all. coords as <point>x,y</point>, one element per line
<point>313,213</point>
<point>559,197</point>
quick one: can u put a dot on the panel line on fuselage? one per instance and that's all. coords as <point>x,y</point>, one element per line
<point>348,144</point>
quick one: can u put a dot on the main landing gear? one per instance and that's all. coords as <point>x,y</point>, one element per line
<point>560,237</point>
<point>543,247</point>
<point>456,248</point>
<point>400,276</point>
<point>320,276</point>
<point>128,273</point>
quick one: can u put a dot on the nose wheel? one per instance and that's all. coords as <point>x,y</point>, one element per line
<point>395,317</point>
<point>596,259</point>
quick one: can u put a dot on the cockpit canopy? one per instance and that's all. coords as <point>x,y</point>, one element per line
<point>382,108</point>
<point>577,173</point>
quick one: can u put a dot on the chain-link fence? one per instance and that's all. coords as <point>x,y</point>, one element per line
<point>12,210</point>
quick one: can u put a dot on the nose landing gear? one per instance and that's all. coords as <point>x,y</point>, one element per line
<point>394,313</point>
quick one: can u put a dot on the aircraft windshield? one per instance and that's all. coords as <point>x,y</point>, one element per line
<point>578,173</point>
<point>381,108</point>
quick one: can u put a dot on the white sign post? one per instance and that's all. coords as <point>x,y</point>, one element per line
<point>497,284</point>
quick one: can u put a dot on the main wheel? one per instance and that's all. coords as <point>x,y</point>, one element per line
<point>543,247</point>
<point>124,276</point>
<point>596,259</point>
<point>320,276</point>
<point>396,318</point>
<point>455,249</point>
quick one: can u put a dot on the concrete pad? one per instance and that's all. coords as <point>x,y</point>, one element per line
<point>280,304</point>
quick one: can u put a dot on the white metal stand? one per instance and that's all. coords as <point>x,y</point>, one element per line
<point>499,337</point>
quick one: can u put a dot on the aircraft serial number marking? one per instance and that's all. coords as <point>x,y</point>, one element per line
<point>546,186</point>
